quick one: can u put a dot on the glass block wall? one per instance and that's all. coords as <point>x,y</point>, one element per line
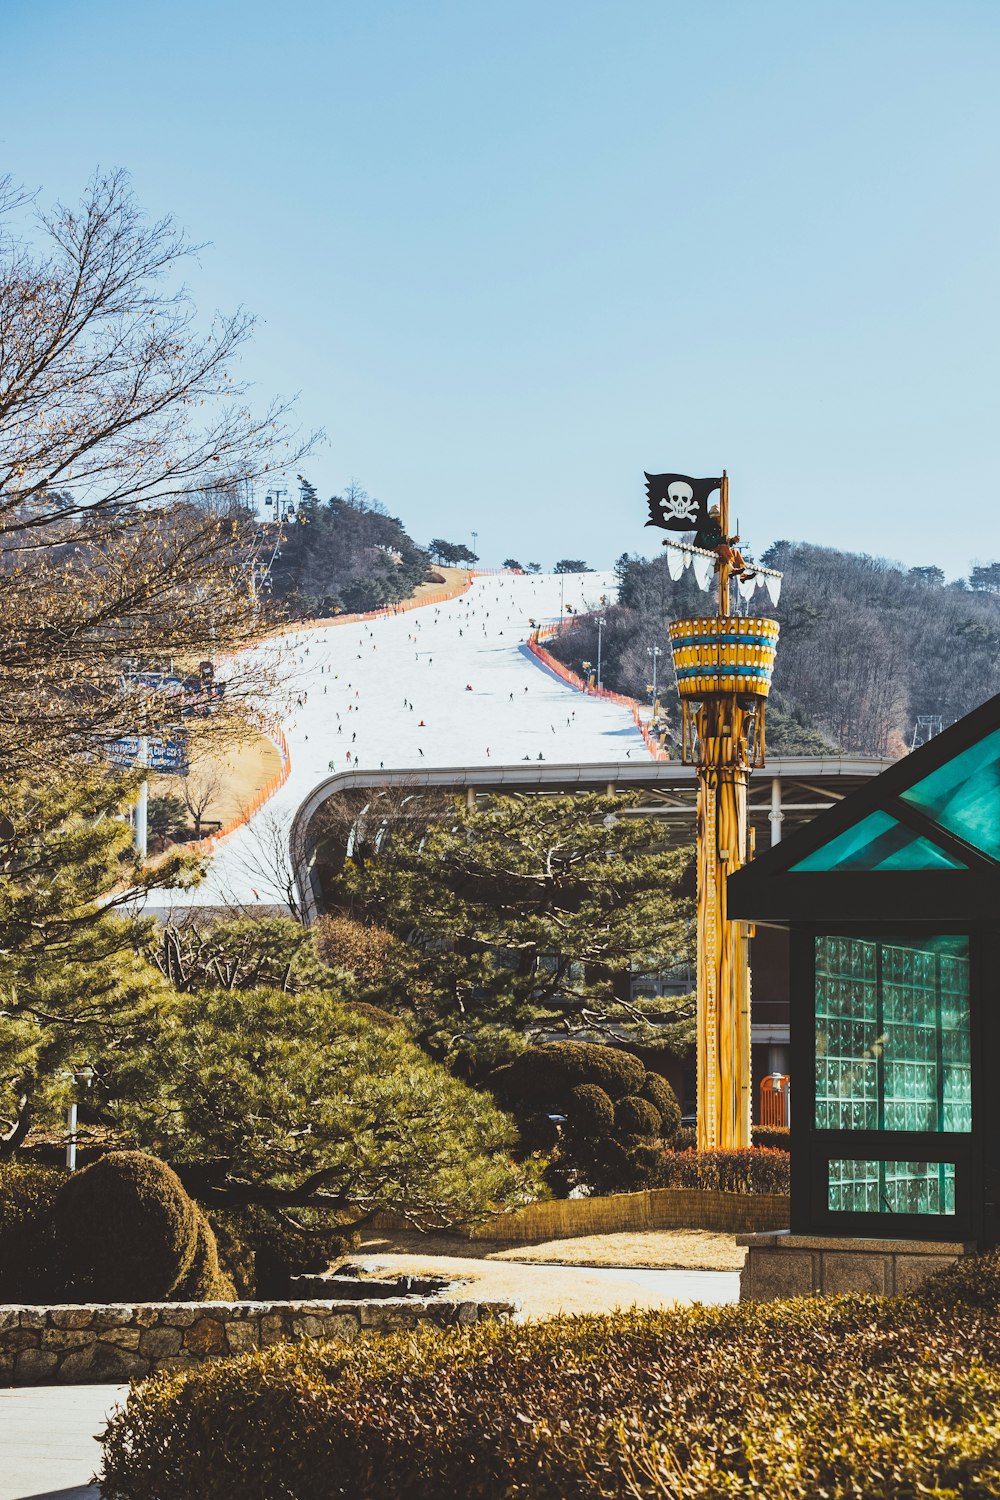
<point>892,1053</point>
<point>892,1034</point>
<point>895,1187</point>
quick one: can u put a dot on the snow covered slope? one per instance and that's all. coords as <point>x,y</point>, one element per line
<point>447,685</point>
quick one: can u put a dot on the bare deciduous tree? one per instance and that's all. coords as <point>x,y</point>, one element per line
<point>200,789</point>
<point>127,462</point>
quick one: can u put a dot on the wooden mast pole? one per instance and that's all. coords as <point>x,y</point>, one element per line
<point>723,981</point>
<point>724,569</point>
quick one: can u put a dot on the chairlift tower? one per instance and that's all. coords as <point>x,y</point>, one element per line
<point>723,664</point>
<point>926,727</point>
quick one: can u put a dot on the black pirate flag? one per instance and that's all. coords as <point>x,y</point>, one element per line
<point>677,502</point>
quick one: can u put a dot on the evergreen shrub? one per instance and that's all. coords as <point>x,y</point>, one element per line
<point>27,1195</point>
<point>886,1399</point>
<point>285,1248</point>
<point>261,1252</point>
<point>543,1077</point>
<point>661,1096</point>
<point>771,1135</point>
<point>635,1116</point>
<point>204,1280</point>
<point>125,1230</point>
<point>590,1111</point>
<point>614,1111</point>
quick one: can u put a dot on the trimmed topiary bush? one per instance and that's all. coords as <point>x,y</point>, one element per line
<point>661,1096</point>
<point>236,1250</point>
<point>261,1252</point>
<point>591,1111</point>
<point>204,1280</point>
<point>841,1397</point>
<point>125,1230</point>
<point>285,1248</point>
<point>543,1077</point>
<point>973,1281</point>
<point>635,1116</point>
<point>27,1195</point>
<point>611,1104</point>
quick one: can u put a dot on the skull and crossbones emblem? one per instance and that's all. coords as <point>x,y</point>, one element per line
<point>680,504</point>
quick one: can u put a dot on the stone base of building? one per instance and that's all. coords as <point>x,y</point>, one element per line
<point>781,1264</point>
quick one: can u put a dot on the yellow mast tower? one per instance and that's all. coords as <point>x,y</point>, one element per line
<point>723,665</point>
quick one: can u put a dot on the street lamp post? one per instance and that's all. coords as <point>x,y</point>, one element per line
<point>601,622</point>
<point>141,831</point>
<point>82,1078</point>
<point>475,539</point>
<point>655,652</point>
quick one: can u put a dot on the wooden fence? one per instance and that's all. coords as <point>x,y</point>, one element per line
<point>621,1213</point>
<point>657,1208</point>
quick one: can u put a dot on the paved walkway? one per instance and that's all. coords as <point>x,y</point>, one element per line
<point>547,1288</point>
<point>47,1440</point>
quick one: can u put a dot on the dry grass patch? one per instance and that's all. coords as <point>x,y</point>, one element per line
<point>454,578</point>
<point>656,1249</point>
<point>225,779</point>
<point>651,1249</point>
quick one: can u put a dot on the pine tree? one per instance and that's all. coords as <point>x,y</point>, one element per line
<point>241,953</point>
<point>346,554</point>
<point>289,1101</point>
<point>73,983</point>
<point>531,910</point>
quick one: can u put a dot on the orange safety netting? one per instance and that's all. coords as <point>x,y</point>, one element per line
<point>573,680</point>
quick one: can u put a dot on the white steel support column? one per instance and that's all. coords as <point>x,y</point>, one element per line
<point>776,815</point>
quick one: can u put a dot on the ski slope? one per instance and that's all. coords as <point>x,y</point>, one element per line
<point>446,685</point>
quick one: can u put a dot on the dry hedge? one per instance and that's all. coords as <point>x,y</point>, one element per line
<point>846,1397</point>
<point>759,1169</point>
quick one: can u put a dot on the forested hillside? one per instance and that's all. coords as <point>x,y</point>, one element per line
<point>346,553</point>
<point>866,644</point>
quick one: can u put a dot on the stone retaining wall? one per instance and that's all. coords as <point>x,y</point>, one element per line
<point>88,1344</point>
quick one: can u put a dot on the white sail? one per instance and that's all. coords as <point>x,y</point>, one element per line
<point>747,587</point>
<point>703,569</point>
<point>773,586</point>
<point>677,561</point>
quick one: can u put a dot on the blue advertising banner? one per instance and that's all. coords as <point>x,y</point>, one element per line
<point>167,757</point>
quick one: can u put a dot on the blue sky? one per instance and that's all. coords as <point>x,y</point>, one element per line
<point>512,254</point>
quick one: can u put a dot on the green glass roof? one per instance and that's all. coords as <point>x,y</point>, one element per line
<point>963,796</point>
<point>879,842</point>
